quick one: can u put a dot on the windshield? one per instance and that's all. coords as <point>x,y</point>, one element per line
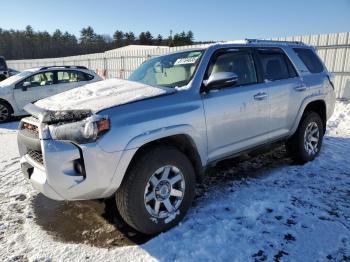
<point>12,79</point>
<point>173,70</point>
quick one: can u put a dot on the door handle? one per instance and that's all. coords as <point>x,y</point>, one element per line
<point>300,88</point>
<point>260,96</point>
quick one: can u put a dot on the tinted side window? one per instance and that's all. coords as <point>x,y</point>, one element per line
<point>88,77</point>
<point>41,79</point>
<point>64,77</point>
<point>310,59</point>
<point>238,62</point>
<point>276,66</point>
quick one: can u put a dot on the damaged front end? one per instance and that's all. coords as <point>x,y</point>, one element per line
<point>79,126</point>
<point>57,152</point>
<point>51,117</point>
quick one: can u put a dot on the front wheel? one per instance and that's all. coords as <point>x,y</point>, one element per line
<point>5,112</point>
<point>157,191</point>
<point>306,143</point>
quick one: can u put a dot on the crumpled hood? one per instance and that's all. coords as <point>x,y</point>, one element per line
<point>101,95</point>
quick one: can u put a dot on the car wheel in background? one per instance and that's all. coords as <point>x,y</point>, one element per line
<point>5,112</point>
<point>2,77</point>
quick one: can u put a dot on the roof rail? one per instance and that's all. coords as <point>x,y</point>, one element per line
<point>68,67</point>
<point>277,42</point>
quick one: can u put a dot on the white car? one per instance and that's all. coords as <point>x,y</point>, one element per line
<point>38,83</point>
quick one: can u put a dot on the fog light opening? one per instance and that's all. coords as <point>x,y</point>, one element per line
<point>79,167</point>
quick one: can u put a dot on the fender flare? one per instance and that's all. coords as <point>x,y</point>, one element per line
<point>138,141</point>
<point>156,134</point>
<point>304,104</point>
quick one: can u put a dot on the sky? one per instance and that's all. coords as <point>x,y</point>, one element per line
<point>209,20</point>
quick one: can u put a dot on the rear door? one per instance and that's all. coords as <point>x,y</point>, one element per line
<point>236,116</point>
<point>68,79</point>
<point>285,90</point>
<point>34,88</point>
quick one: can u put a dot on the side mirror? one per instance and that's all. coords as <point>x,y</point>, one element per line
<point>220,80</point>
<point>25,86</point>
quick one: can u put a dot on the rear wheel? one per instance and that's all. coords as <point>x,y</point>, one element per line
<point>5,112</point>
<point>157,191</point>
<point>306,143</point>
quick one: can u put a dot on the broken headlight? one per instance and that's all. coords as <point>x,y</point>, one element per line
<point>84,131</point>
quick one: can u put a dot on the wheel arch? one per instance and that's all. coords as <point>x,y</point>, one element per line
<point>317,105</point>
<point>183,142</point>
<point>7,103</point>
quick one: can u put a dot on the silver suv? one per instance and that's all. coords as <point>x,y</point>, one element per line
<point>147,140</point>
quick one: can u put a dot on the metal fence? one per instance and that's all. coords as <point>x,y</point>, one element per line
<point>334,50</point>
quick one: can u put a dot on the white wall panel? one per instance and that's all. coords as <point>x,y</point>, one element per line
<point>323,40</point>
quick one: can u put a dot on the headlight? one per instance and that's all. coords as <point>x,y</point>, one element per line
<point>85,131</point>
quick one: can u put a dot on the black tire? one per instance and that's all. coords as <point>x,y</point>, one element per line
<point>130,196</point>
<point>2,77</point>
<point>295,145</point>
<point>5,112</point>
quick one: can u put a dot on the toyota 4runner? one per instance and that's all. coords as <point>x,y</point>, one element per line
<point>148,139</point>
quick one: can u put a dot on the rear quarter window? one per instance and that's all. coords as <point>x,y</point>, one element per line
<point>88,77</point>
<point>310,60</point>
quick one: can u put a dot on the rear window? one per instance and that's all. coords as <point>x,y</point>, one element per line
<point>3,66</point>
<point>310,59</point>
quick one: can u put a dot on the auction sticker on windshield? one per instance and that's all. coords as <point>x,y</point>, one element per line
<point>186,60</point>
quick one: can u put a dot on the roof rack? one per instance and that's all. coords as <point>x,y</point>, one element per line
<point>277,42</point>
<point>76,67</point>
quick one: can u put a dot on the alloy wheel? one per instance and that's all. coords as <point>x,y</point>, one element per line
<point>4,113</point>
<point>164,192</point>
<point>311,138</point>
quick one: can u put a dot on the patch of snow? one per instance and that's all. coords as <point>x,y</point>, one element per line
<point>101,95</point>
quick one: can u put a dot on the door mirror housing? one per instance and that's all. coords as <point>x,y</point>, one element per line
<point>220,80</point>
<point>25,86</point>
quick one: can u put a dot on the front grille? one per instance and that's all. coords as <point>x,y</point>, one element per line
<point>36,156</point>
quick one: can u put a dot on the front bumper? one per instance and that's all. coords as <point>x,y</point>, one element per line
<point>37,177</point>
<point>51,170</point>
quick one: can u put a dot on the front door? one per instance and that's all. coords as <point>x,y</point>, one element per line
<point>34,88</point>
<point>236,116</point>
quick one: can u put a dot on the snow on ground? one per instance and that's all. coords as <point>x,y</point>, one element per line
<point>261,209</point>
